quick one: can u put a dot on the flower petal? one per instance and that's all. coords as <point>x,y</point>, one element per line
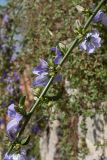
<point>104,20</point>
<point>58,77</point>
<point>98,16</point>
<point>56,50</point>
<point>40,80</point>
<point>57,59</point>
<point>12,128</point>
<point>13,114</point>
<point>58,56</point>
<point>90,48</point>
<point>41,68</point>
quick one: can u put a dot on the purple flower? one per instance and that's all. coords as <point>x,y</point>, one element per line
<point>10,89</point>
<point>98,16</point>
<point>42,71</point>
<point>8,157</point>
<point>58,56</point>
<point>16,76</point>
<point>12,128</point>
<point>13,114</point>
<point>91,42</point>
<point>41,68</point>
<point>35,129</point>
<point>13,125</point>
<point>15,157</point>
<point>9,80</point>
<point>3,104</point>
<point>19,157</point>
<point>13,57</point>
<point>41,80</point>
<point>104,20</point>
<point>31,158</point>
<point>5,19</point>
<point>4,75</point>
<point>2,121</point>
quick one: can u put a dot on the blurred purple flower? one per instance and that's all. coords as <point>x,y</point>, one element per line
<point>104,20</point>
<point>13,57</point>
<point>5,19</point>
<point>9,80</point>
<point>4,48</point>
<point>10,89</point>
<point>4,75</point>
<point>98,16</point>
<point>35,129</point>
<point>2,121</point>
<point>3,37</point>
<point>91,42</point>
<point>13,125</point>
<point>15,157</point>
<point>12,128</point>
<point>31,158</point>
<point>42,71</point>
<point>16,76</point>
<point>12,113</point>
<point>3,104</point>
<point>8,157</point>
<point>58,56</point>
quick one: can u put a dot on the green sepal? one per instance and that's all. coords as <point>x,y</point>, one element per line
<point>25,141</point>
<point>20,110</point>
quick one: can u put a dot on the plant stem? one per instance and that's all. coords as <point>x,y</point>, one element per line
<point>72,46</point>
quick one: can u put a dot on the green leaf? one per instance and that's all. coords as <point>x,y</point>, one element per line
<point>22,101</point>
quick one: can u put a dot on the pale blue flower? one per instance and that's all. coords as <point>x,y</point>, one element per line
<point>91,41</point>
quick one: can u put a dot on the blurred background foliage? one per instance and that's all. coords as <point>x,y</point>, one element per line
<point>34,27</point>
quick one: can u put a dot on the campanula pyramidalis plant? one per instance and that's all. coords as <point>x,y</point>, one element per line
<point>91,42</point>
<point>43,69</point>
<point>46,73</point>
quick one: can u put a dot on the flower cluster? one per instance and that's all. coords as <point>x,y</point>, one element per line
<point>14,124</point>
<point>43,70</point>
